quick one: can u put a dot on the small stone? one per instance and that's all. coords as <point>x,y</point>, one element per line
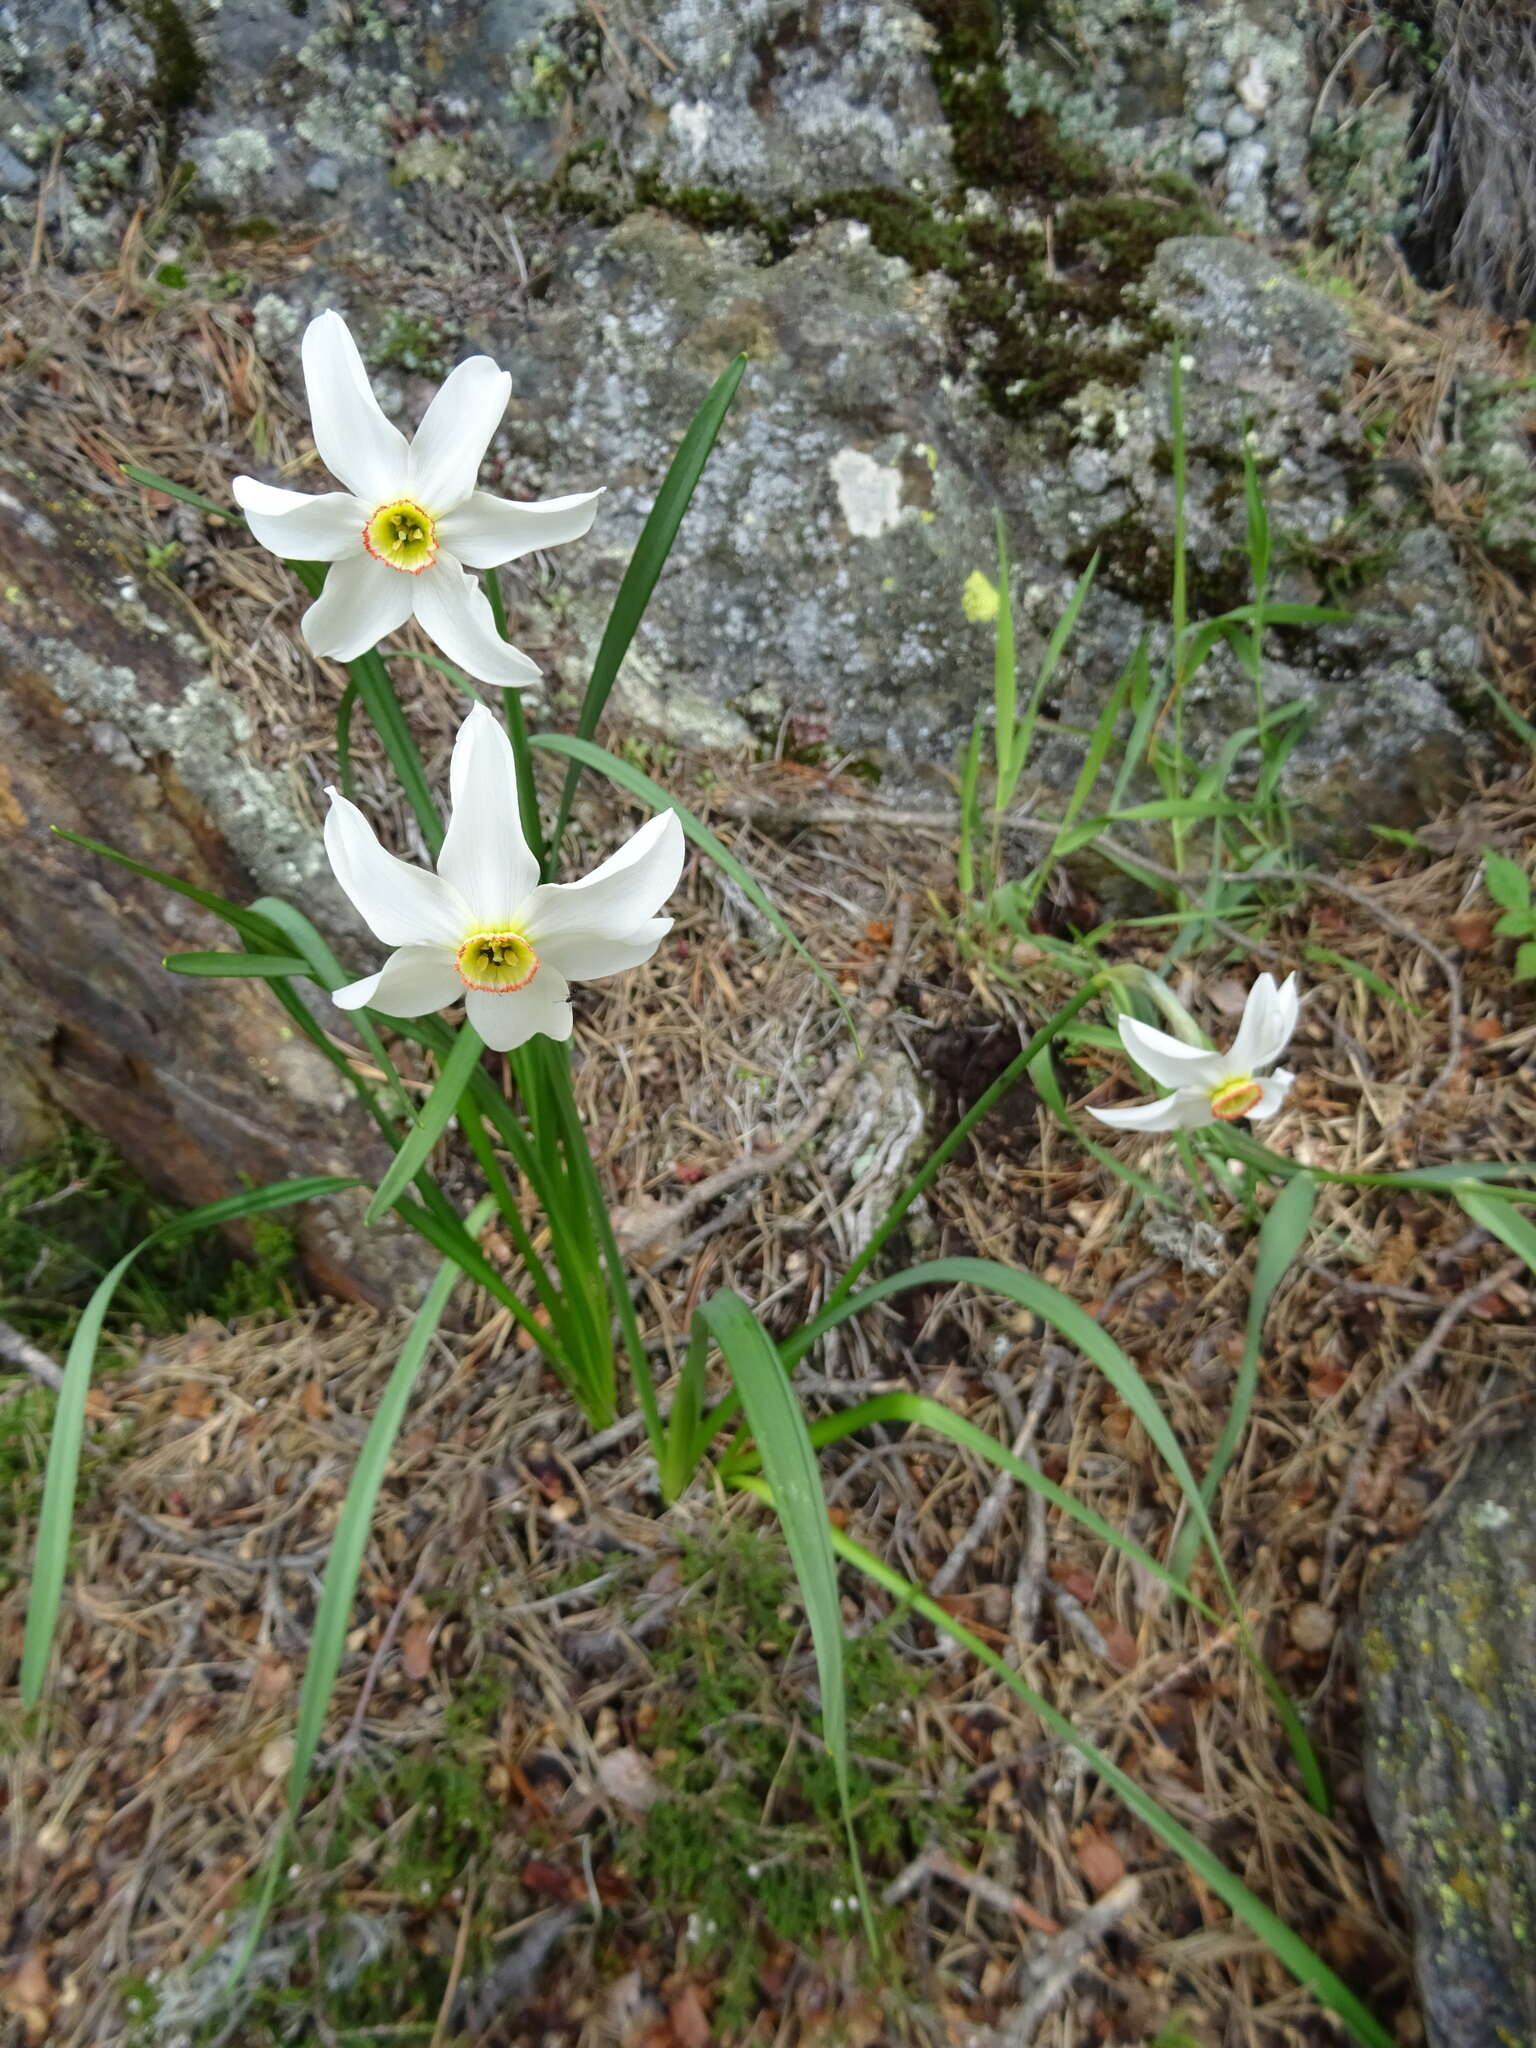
<point>1217,75</point>
<point>1255,88</point>
<point>1245,166</point>
<point>1238,122</point>
<point>1312,1627</point>
<point>324,175</point>
<point>16,177</point>
<point>1211,112</point>
<point>1208,148</point>
<point>277,1757</point>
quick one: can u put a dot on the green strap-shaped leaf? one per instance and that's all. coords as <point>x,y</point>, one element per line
<point>789,1463</point>
<point>429,1126</point>
<point>1283,1234</point>
<point>645,566</point>
<point>236,966</point>
<point>639,784</point>
<point>63,1467</point>
<point>1308,1969</point>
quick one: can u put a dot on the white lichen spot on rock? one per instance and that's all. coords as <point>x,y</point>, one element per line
<point>868,493</point>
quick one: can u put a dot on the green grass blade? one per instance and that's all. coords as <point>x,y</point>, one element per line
<point>517,733</point>
<point>1146,703</point>
<point>63,1468</point>
<point>334,1614</point>
<point>945,1150</point>
<point>152,482</point>
<point>1308,1969</point>
<point>1501,1220</point>
<point>1055,647</point>
<point>917,1411</point>
<point>1073,1322</point>
<point>1005,680</point>
<point>970,816</point>
<point>1283,1233</point>
<point>639,784</point>
<point>246,922</point>
<point>645,566</point>
<point>789,1464</point>
<point>344,709</point>
<point>235,966</point>
<point>429,1126</point>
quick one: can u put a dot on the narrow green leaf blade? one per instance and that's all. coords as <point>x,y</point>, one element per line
<point>429,1126</point>
<point>236,966</point>
<point>1501,1220</point>
<point>590,755</point>
<point>1281,1237</point>
<point>789,1463</point>
<point>1308,1969</point>
<point>246,922</point>
<point>334,1614</point>
<point>63,1467</point>
<point>645,567</point>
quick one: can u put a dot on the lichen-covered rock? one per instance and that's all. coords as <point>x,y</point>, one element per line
<point>1448,1648</point>
<point>112,727</point>
<point>1217,91</point>
<point>780,102</point>
<point>820,574</point>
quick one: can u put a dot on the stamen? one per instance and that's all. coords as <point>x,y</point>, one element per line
<point>496,962</point>
<point>403,535</point>
<point>1235,1098</point>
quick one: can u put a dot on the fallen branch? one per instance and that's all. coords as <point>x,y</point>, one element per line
<point>22,1352</point>
<point>1049,1974</point>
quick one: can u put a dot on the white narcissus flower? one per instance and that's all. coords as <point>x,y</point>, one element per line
<point>410,525</point>
<point>1213,1087</point>
<point>484,928</point>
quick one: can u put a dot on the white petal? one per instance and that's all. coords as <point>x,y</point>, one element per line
<point>1269,1018</point>
<point>484,855</point>
<point>506,1022</point>
<point>411,983</point>
<point>1272,1094</point>
<point>581,956</point>
<point>401,905</point>
<point>485,531</point>
<point>362,601</point>
<point>1169,1061</point>
<point>455,432</point>
<point>454,611</point>
<point>1184,1111</point>
<point>301,528</point>
<point>355,441</point>
<point>616,898</point>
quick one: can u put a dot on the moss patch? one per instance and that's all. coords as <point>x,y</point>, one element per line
<point>70,1213</point>
<point>1034,314</point>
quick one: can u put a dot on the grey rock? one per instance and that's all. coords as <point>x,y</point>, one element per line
<point>16,177</point>
<point>324,175</point>
<point>774,101</point>
<point>1208,148</point>
<point>1210,113</point>
<point>1238,122</point>
<point>1448,1646</point>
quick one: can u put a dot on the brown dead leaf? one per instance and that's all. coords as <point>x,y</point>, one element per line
<point>313,1401</point>
<point>29,1996</point>
<point>272,1679</point>
<point>1473,931</point>
<point>689,2021</point>
<point>416,1650</point>
<point>194,1401</point>
<point>1098,1859</point>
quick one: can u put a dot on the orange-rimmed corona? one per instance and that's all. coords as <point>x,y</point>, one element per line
<point>496,963</point>
<point>403,535</point>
